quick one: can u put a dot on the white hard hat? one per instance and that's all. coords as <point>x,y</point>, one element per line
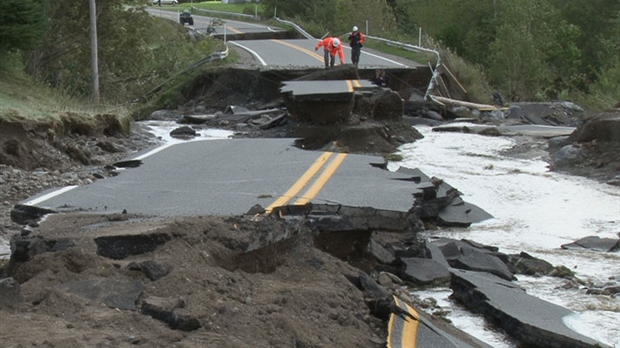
<point>354,28</point>
<point>336,42</point>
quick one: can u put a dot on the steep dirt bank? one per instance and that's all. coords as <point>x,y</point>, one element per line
<point>204,285</point>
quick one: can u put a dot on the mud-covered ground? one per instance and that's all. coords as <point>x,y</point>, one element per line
<point>288,294</point>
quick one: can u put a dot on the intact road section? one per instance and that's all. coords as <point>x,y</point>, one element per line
<point>301,53</point>
<point>297,53</point>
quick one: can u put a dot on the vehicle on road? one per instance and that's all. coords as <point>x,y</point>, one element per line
<point>164,2</point>
<point>186,17</point>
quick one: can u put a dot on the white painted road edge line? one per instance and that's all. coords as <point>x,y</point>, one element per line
<point>152,152</point>
<point>386,59</point>
<point>251,52</point>
<point>50,195</point>
<point>69,188</point>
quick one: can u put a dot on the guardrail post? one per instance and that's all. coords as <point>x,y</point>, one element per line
<point>420,37</point>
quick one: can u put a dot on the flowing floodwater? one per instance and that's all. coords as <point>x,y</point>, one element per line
<point>534,211</point>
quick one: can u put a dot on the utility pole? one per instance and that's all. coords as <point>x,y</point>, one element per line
<point>93,51</point>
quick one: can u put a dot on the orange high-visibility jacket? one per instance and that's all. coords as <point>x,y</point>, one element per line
<point>328,44</point>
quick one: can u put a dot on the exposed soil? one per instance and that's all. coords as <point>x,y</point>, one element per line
<point>288,294</point>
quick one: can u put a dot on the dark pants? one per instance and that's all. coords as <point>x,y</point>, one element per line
<point>329,59</point>
<point>355,54</point>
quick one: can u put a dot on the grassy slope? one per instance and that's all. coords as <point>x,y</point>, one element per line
<point>20,97</point>
<point>207,5</point>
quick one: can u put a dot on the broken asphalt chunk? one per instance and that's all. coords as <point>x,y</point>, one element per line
<point>528,319</point>
<point>594,243</point>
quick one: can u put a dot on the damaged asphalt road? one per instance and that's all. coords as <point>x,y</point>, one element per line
<point>228,177</point>
<point>354,209</point>
<point>336,218</point>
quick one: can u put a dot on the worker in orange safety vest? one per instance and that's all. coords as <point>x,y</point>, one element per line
<point>332,46</point>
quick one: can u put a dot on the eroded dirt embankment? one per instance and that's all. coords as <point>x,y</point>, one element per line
<point>206,281</point>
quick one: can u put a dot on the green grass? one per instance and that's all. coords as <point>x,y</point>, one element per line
<point>420,57</point>
<point>218,6</point>
<point>247,8</point>
<point>392,157</point>
<point>22,98</point>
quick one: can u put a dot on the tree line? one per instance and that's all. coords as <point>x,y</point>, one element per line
<point>136,51</point>
<point>529,49</point>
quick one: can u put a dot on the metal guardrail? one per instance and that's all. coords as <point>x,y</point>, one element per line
<point>415,48</point>
<point>234,14</point>
<point>297,27</point>
<point>212,57</point>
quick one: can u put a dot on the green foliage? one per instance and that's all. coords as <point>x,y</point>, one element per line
<point>530,49</point>
<point>219,6</point>
<point>596,20</point>
<point>136,51</point>
<point>380,17</point>
<point>420,57</point>
<point>22,97</point>
<point>22,24</point>
<point>533,55</point>
<point>392,157</point>
<point>467,74</point>
<point>465,27</point>
<point>250,9</point>
<point>337,16</point>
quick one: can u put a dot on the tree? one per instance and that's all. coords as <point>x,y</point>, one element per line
<point>465,27</point>
<point>22,24</point>
<point>131,51</point>
<point>323,11</point>
<point>596,20</point>
<point>534,54</point>
<point>337,16</point>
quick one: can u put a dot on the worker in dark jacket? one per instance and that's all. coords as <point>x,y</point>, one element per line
<point>380,78</point>
<point>356,40</point>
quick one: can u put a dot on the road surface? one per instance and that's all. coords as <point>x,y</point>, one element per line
<point>283,53</point>
<point>230,176</point>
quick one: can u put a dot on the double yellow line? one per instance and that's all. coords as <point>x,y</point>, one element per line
<point>318,184</point>
<point>403,331</point>
<point>301,49</point>
<point>350,83</point>
<point>353,83</point>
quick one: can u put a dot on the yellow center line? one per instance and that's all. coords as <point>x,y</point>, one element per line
<point>391,331</point>
<point>301,49</point>
<point>322,180</point>
<point>233,29</point>
<point>410,329</point>
<point>303,180</point>
<point>350,86</point>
